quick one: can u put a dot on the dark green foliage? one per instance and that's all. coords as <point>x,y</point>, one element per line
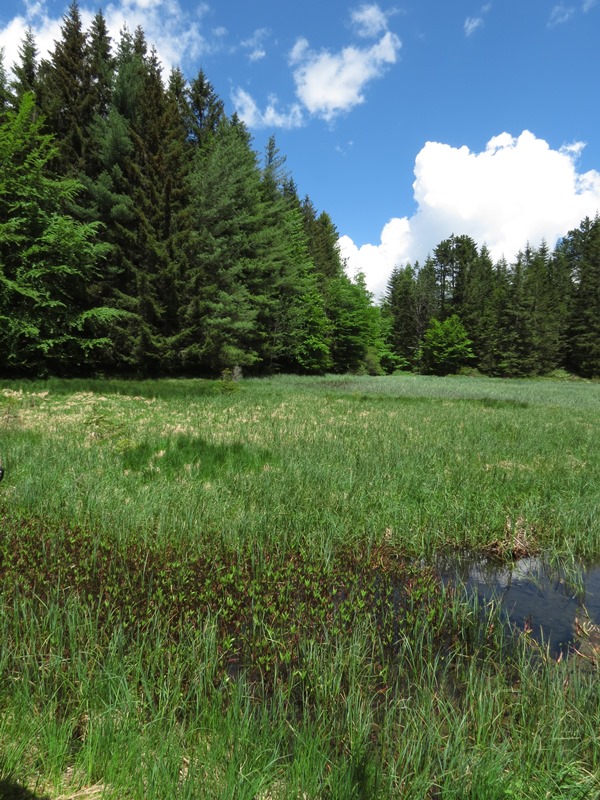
<point>453,260</point>
<point>26,70</point>
<point>477,310</point>
<point>581,250</point>
<point>300,331</point>
<point>46,257</point>
<point>4,90</point>
<point>400,307</point>
<point>205,110</point>
<point>227,284</point>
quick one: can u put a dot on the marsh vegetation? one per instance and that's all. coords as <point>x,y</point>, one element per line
<point>227,591</point>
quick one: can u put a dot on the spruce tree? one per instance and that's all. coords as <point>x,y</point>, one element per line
<point>4,90</point>
<point>101,66</point>
<point>25,71</point>
<point>581,249</point>
<point>48,323</point>
<point>206,110</point>
<point>225,284</point>
<point>400,306</point>
<point>65,94</point>
<point>477,309</point>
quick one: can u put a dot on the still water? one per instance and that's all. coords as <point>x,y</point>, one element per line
<point>534,595</point>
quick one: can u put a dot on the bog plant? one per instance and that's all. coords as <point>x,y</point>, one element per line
<point>228,595</point>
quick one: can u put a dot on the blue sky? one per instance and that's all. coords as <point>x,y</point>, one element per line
<point>406,122</point>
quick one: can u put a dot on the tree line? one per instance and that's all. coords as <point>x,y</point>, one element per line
<point>140,233</point>
<point>530,317</point>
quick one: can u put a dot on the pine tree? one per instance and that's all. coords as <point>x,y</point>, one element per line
<point>513,345</point>
<point>101,66</point>
<point>546,309</point>
<point>453,259</point>
<point>299,329</point>
<point>427,300</point>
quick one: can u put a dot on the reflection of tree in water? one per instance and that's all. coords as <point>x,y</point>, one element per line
<point>14,791</point>
<point>538,596</point>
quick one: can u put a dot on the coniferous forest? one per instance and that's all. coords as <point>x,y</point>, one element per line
<point>141,234</point>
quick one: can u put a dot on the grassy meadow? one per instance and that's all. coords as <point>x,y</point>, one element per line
<point>217,589</point>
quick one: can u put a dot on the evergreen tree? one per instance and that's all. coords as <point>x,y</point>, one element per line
<point>66,94</point>
<point>581,250</point>
<point>26,69</point>
<point>400,306</point>
<point>300,327</point>
<point>226,282</point>
<point>546,308</point>
<point>46,258</point>
<point>322,237</point>
<point>357,338</point>
<point>101,66</point>
<point>4,90</point>
<point>426,297</point>
<point>512,345</point>
<point>206,110</point>
<point>477,309</point>
<point>453,259</point>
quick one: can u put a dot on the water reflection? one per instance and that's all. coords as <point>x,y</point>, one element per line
<point>536,596</point>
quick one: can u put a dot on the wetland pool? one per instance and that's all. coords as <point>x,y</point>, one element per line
<point>553,604</point>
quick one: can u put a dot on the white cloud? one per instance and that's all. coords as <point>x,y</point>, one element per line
<point>471,25</point>
<point>330,83</point>
<point>327,84</point>
<point>249,112</point>
<point>369,20</point>
<point>560,14</point>
<point>517,190</point>
<point>588,5</point>
<point>175,33</point>
<point>255,44</point>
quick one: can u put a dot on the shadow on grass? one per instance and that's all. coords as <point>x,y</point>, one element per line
<point>9,790</point>
<point>164,389</point>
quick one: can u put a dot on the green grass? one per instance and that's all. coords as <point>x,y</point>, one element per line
<point>421,462</point>
<point>216,593</point>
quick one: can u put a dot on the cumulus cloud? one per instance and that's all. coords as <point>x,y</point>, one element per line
<point>176,34</point>
<point>369,20</point>
<point>328,84</point>
<point>517,190</point>
<point>249,112</point>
